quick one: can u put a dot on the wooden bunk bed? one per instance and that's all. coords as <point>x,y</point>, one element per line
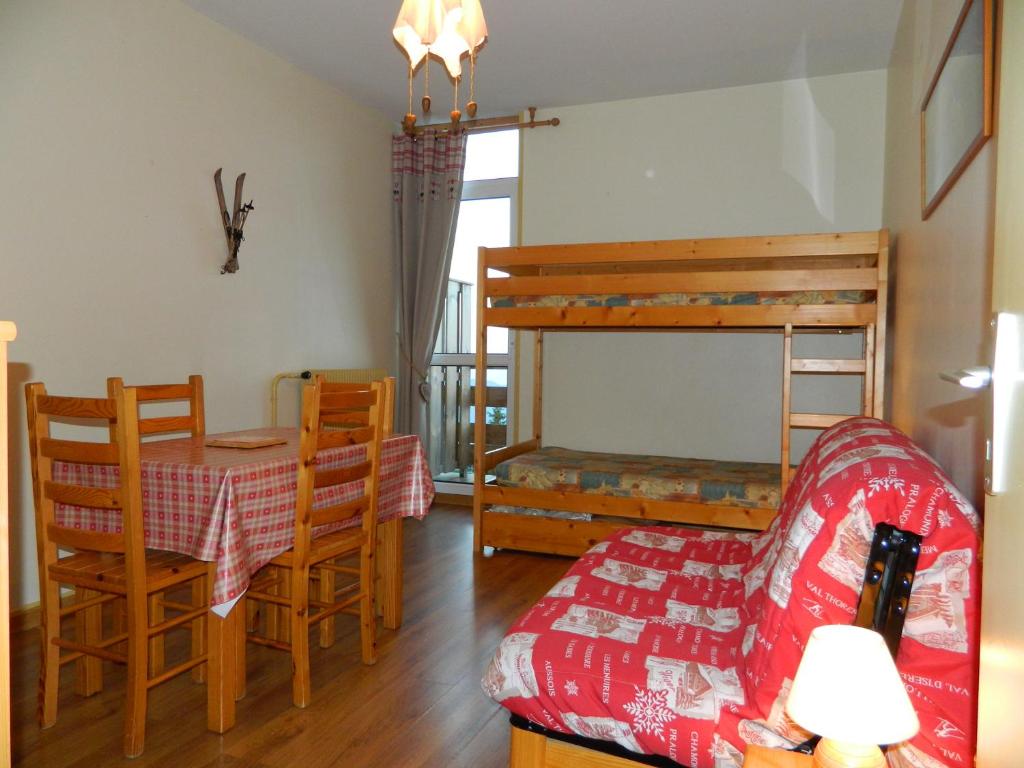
<point>835,282</point>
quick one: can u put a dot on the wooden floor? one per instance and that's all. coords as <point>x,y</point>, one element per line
<point>420,705</point>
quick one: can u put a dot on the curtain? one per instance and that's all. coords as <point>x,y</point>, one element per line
<point>427,187</point>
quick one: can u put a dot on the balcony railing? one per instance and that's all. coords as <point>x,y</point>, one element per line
<point>452,392</point>
<point>452,440</point>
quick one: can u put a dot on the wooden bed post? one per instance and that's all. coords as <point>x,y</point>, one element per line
<point>787,402</point>
<point>480,400</point>
<point>882,303</point>
<point>868,391</point>
<point>538,384</point>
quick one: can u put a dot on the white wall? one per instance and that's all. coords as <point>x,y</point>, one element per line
<point>792,157</point>
<point>942,305</point>
<point>115,115</point>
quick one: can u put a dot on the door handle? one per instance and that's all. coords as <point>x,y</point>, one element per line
<point>974,377</point>
<point>1005,377</point>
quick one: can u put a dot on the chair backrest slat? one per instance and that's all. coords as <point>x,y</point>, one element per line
<point>343,437</point>
<point>328,477</point>
<point>74,538</point>
<point>77,407</point>
<point>82,495</point>
<point>345,419</point>
<point>78,452</point>
<point>149,392</point>
<point>158,425</point>
<point>346,400</point>
<point>339,512</point>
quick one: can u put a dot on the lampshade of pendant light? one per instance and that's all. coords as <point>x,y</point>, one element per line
<point>445,29</point>
<point>847,690</point>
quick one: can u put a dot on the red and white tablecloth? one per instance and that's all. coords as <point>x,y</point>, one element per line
<point>237,506</point>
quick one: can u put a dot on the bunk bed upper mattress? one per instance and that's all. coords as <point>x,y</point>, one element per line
<point>743,298</point>
<point>727,483</point>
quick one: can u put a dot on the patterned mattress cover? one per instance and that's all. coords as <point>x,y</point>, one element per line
<point>685,643</point>
<point>728,483</point>
<point>744,298</point>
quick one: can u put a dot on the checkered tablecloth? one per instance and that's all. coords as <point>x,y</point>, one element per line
<point>237,506</point>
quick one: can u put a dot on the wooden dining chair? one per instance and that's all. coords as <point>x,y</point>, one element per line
<point>277,626</point>
<point>104,564</point>
<point>317,560</point>
<point>350,418</point>
<point>192,393</point>
<point>193,423</point>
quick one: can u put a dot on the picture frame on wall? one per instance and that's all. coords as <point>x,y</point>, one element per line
<point>956,114</point>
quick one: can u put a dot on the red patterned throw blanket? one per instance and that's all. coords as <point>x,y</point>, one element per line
<point>684,643</point>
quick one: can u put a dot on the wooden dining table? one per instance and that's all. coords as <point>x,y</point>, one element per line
<point>236,507</point>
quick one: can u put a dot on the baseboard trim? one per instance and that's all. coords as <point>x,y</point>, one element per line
<point>457,499</point>
<point>24,618</point>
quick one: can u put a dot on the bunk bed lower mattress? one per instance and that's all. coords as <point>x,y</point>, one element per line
<point>747,485</point>
<point>745,298</point>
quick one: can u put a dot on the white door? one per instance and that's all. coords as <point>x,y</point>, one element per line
<point>1001,692</point>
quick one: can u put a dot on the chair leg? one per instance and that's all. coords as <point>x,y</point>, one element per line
<point>284,625</point>
<point>367,609</point>
<point>299,630</point>
<point>88,630</point>
<point>240,640</point>
<point>156,643</point>
<point>135,685</point>
<point>278,623</point>
<point>325,593</point>
<point>49,656</point>
<point>200,590</point>
<point>273,612</point>
<point>389,573</point>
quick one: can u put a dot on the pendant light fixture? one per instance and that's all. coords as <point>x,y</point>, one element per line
<point>447,30</point>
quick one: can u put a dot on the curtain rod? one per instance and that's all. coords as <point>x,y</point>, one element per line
<point>487,124</point>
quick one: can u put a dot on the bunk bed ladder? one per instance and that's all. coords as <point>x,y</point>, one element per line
<point>863,366</point>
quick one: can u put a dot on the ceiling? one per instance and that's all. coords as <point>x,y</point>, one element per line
<point>562,52</point>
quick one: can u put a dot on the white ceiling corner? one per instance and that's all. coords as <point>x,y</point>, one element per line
<point>543,53</point>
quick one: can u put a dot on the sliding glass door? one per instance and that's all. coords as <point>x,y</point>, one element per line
<point>487,217</point>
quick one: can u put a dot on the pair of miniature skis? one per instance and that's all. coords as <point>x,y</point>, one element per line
<point>233,223</point>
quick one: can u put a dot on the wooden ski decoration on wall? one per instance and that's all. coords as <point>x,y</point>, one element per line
<point>234,222</point>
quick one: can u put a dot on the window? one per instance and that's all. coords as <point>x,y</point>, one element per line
<point>487,217</point>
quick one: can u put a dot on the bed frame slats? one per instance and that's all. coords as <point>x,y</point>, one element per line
<point>816,420</point>
<point>687,282</point>
<point>819,365</point>
<point>832,244</point>
<point>682,317</point>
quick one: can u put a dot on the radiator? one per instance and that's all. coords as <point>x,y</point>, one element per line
<point>336,375</point>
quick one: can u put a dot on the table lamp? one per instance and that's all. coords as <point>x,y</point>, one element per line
<point>847,690</point>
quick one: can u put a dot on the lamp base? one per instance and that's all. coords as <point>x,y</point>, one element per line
<point>842,754</point>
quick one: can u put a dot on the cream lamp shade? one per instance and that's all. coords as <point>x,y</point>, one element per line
<point>448,30</point>
<point>847,689</point>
